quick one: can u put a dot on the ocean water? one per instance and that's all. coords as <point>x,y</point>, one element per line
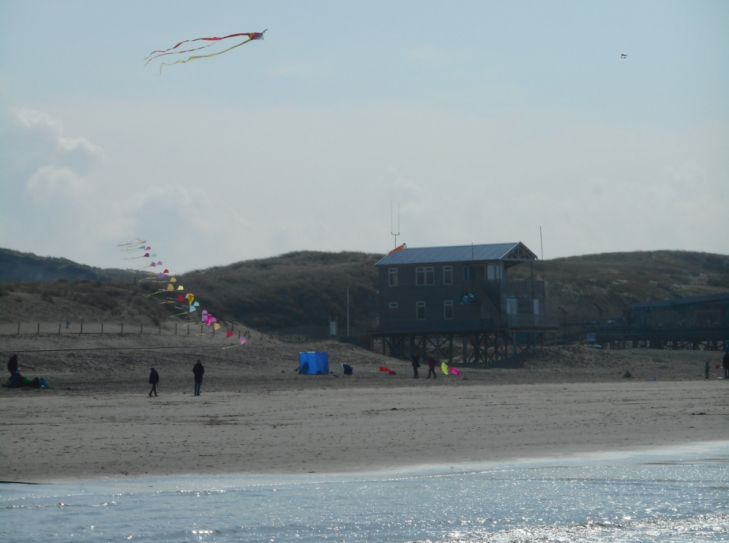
<point>677,494</point>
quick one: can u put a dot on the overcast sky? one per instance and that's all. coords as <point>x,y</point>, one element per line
<point>482,120</point>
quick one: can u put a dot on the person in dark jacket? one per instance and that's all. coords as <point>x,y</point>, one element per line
<point>13,365</point>
<point>15,379</point>
<point>199,370</point>
<point>431,367</point>
<point>153,380</point>
<point>416,364</point>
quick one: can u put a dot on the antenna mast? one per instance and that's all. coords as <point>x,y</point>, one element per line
<point>393,233</point>
<point>541,245</point>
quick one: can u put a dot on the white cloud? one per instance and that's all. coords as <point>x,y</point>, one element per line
<point>213,185</point>
<point>49,183</point>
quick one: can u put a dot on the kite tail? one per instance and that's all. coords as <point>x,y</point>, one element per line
<point>198,57</point>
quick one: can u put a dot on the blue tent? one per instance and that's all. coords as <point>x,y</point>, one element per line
<point>313,363</point>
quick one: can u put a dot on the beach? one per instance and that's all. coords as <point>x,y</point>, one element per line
<point>97,419</point>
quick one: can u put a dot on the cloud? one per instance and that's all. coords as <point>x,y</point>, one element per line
<point>48,180</point>
<point>48,183</point>
<point>250,182</point>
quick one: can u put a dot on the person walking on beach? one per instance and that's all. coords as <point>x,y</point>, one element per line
<point>153,380</point>
<point>725,364</point>
<point>431,367</point>
<point>416,364</point>
<point>198,369</point>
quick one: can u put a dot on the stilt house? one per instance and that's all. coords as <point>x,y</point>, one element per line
<point>438,293</point>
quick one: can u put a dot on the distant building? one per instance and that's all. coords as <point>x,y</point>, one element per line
<point>433,294</point>
<point>699,322</point>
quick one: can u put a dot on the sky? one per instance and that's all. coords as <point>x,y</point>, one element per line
<point>483,122</point>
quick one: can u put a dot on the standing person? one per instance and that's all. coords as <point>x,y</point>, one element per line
<point>416,364</point>
<point>725,364</point>
<point>15,379</point>
<point>13,365</point>
<point>153,380</point>
<point>431,367</point>
<point>198,369</point>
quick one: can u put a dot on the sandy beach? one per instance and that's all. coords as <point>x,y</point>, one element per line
<point>257,415</point>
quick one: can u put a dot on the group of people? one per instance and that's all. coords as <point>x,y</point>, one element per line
<point>17,380</point>
<point>432,364</point>
<point>198,370</point>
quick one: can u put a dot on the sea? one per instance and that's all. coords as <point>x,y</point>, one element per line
<point>676,494</point>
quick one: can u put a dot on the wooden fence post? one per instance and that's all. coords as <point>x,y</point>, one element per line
<point>81,329</point>
<point>141,329</point>
<point>122,329</point>
<point>18,329</point>
<point>160,330</point>
<point>102,327</point>
<point>59,328</point>
<point>175,328</point>
<point>37,329</point>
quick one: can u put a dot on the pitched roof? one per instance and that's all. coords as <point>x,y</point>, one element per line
<point>459,253</point>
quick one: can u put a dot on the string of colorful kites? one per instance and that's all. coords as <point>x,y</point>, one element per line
<point>246,37</point>
<point>172,291</point>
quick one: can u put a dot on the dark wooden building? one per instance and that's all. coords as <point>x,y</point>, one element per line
<point>696,322</point>
<point>430,297</point>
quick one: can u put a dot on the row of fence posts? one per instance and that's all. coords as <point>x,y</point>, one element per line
<point>121,332</point>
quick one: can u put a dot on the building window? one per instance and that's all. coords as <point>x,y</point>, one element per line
<point>391,277</point>
<point>448,310</point>
<point>447,275</point>
<point>393,305</point>
<point>424,276</point>
<point>466,273</point>
<point>420,311</point>
<point>493,272</point>
<point>512,306</point>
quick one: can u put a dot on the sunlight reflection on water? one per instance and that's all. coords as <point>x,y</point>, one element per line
<point>678,494</point>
